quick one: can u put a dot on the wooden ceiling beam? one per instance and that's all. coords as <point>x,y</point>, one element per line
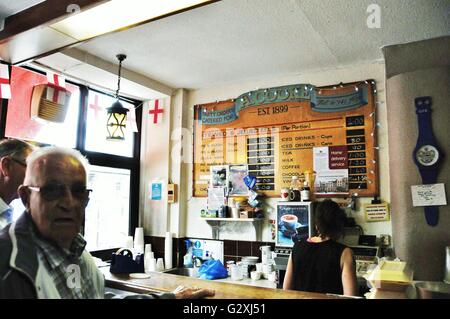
<point>43,13</point>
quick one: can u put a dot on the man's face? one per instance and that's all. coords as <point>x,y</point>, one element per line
<point>58,207</point>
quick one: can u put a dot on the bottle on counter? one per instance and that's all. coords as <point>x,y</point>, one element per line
<point>305,192</point>
<point>294,189</point>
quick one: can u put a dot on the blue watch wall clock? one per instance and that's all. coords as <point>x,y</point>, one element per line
<point>427,154</point>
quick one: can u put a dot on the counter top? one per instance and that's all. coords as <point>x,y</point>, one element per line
<point>225,289</point>
<point>249,282</point>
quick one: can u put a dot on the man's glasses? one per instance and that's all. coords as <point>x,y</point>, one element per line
<point>56,191</point>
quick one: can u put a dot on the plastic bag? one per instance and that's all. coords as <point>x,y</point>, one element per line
<point>212,269</point>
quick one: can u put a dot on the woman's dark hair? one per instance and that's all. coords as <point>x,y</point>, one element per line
<point>329,219</point>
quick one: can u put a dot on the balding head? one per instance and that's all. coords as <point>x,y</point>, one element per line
<point>55,194</point>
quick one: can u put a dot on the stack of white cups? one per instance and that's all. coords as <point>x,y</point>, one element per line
<point>267,263</point>
<point>139,240</point>
<point>129,242</point>
<point>149,259</point>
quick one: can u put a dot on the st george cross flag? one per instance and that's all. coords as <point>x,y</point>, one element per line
<point>56,90</point>
<point>57,95</point>
<point>5,88</point>
<point>156,107</point>
<point>56,79</point>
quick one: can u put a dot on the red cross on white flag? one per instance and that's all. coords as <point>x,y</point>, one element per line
<point>56,79</point>
<point>57,95</point>
<point>95,106</point>
<point>156,111</point>
<point>5,88</point>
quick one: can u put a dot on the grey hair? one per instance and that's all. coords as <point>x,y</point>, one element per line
<point>56,150</point>
<point>13,147</point>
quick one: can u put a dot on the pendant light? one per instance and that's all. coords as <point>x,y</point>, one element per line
<point>117,114</point>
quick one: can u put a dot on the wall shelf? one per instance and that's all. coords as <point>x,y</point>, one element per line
<point>216,222</point>
<point>232,219</point>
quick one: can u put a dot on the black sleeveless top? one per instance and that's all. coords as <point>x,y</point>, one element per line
<point>317,266</point>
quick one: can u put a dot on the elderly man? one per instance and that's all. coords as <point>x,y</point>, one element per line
<point>42,250</point>
<point>12,171</point>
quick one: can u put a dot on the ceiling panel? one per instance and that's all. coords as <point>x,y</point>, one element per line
<point>221,42</point>
<point>343,24</point>
<point>232,41</point>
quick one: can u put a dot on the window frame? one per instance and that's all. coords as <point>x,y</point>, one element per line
<point>98,158</point>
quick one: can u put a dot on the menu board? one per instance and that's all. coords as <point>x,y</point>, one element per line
<point>285,131</point>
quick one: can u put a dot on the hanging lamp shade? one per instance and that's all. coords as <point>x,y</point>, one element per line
<point>116,122</point>
<point>117,114</point>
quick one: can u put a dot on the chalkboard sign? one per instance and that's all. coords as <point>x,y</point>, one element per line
<point>294,222</point>
<point>284,131</point>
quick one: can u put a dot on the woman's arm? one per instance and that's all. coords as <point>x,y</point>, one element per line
<point>349,281</point>
<point>287,283</point>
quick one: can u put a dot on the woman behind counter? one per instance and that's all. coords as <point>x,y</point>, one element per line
<point>321,264</point>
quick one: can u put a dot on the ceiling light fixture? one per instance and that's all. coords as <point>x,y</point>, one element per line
<point>117,114</point>
<point>117,15</point>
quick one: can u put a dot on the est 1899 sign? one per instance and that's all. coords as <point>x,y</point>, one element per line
<point>279,132</point>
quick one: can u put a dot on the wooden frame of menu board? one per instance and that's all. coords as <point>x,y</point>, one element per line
<point>284,131</point>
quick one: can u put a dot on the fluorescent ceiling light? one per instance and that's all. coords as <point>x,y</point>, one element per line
<point>117,14</point>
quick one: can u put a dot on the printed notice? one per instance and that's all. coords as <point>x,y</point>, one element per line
<point>428,195</point>
<point>156,191</point>
<point>377,212</point>
<point>330,178</point>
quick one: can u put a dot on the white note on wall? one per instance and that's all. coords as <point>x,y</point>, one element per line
<point>428,195</point>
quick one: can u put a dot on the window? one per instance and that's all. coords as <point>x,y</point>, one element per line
<point>112,212</point>
<point>96,126</point>
<point>107,214</point>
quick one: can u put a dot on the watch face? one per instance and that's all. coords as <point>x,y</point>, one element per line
<point>427,155</point>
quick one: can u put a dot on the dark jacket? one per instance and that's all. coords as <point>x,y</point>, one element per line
<point>17,280</point>
<point>23,276</point>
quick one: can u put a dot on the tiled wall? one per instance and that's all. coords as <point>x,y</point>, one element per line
<point>233,249</point>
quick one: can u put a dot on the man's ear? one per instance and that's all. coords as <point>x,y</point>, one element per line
<point>5,164</point>
<point>24,194</point>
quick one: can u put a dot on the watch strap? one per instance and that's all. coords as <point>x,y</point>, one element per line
<point>423,111</point>
<point>429,175</point>
<point>432,215</point>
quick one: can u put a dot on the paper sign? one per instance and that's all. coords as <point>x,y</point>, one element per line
<point>216,198</point>
<point>377,212</point>
<point>428,195</point>
<point>330,181</point>
<point>156,191</point>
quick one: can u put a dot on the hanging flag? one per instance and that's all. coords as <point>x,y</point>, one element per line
<point>56,79</point>
<point>96,106</point>
<point>156,111</point>
<point>5,87</point>
<point>131,119</point>
<point>57,95</point>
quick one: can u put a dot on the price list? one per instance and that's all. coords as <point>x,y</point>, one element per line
<point>261,161</point>
<point>356,146</point>
<point>275,132</point>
